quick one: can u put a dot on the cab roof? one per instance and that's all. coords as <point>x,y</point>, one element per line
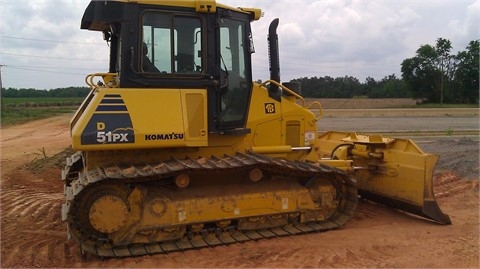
<point>99,14</point>
<point>201,6</point>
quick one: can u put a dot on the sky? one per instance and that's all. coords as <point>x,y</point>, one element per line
<point>43,47</point>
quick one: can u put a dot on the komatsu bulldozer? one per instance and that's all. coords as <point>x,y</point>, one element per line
<point>177,148</point>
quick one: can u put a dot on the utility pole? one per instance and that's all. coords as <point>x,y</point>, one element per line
<point>1,87</point>
<point>1,65</point>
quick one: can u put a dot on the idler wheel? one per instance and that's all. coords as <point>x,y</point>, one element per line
<point>108,213</point>
<point>100,209</point>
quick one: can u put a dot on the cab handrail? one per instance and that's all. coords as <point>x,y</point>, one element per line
<point>320,109</point>
<point>110,80</point>
<point>298,96</point>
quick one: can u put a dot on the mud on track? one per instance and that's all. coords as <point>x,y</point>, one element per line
<point>32,234</point>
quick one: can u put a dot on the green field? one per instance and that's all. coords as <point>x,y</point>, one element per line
<point>21,110</point>
<point>42,101</point>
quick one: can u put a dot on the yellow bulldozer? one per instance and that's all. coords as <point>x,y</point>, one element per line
<point>177,148</point>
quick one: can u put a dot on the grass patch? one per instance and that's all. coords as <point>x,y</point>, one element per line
<point>22,110</point>
<point>43,162</point>
<point>449,131</point>
<point>41,101</point>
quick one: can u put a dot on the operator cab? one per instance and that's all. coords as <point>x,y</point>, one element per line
<point>184,47</point>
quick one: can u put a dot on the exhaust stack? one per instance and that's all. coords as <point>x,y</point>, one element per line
<point>274,59</point>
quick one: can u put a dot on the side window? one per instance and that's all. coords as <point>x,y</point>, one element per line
<point>232,47</point>
<point>156,53</point>
<point>171,44</point>
<point>233,53</point>
<point>225,52</point>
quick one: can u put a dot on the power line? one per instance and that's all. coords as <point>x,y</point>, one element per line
<point>45,71</point>
<point>52,69</point>
<point>50,57</point>
<point>53,41</point>
<point>48,67</point>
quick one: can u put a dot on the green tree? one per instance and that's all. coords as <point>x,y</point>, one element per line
<point>436,75</point>
<point>344,87</point>
<point>389,87</point>
<point>419,72</point>
<point>327,87</point>
<point>467,74</point>
<point>369,85</point>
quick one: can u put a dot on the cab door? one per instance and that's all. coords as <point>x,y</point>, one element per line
<point>235,69</point>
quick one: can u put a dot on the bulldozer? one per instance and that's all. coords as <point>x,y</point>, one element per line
<point>177,148</point>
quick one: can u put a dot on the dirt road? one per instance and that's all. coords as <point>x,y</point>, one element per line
<point>32,234</point>
<point>441,121</point>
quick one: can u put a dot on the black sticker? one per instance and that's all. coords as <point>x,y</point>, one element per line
<point>269,108</point>
<point>110,124</point>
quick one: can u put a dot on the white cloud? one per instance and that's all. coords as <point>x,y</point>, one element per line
<point>463,29</point>
<point>41,39</point>
<point>365,38</point>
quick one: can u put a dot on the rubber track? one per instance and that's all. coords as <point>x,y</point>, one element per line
<point>217,236</point>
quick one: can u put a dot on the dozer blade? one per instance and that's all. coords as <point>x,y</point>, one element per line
<point>394,172</point>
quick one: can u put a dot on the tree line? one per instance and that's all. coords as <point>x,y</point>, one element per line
<point>349,87</point>
<point>58,92</point>
<point>434,75</point>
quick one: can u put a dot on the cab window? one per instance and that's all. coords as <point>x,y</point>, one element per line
<point>171,44</point>
<point>233,57</point>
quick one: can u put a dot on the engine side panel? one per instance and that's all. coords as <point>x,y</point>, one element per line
<point>142,118</point>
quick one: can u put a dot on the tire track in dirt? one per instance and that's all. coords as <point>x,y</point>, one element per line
<point>31,219</point>
<point>448,184</point>
<point>34,205</point>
